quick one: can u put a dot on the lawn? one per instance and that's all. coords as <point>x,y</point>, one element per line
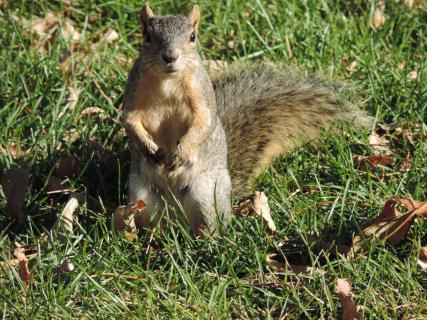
<point>53,71</point>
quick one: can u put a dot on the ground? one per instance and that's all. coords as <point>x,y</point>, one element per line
<point>46,81</point>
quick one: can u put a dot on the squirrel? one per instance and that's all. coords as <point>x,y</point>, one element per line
<point>198,140</point>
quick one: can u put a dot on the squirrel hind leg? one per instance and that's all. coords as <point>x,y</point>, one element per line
<point>208,202</point>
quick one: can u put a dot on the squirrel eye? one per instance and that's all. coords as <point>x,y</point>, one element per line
<point>193,37</point>
<point>147,37</point>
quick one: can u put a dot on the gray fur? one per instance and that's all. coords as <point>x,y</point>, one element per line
<point>256,112</point>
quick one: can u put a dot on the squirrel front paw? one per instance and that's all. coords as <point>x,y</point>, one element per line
<point>151,147</point>
<point>175,160</point>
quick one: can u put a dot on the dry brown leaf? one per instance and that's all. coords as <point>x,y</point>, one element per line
<point>374,160</point>
<point>124,60</point>
<point>73,97</point>
<point>68,32</point>
<point>391,225</point>
<point>14,150</point>
<point>41,26</point>
<point>422,258</point>
<point>379,18</point>
<point>24,272</point>
<point>409,3</point>
<point>92,111</point>
<point>345,294</point>
<point>64,223</point>
<point>124,218</point>
<point>66,266</point>
<point>15,184</point>
<point>409,203</point>
<point>258,206</point>
<point>352,67</point>
<point>406,164</point>
<point>67,167</point>
<point>111,36</point>
<point>401,65</point>
<point>413,75</point>
<point>262,209</point>
<point>274,261</point>
<point>379,143</point>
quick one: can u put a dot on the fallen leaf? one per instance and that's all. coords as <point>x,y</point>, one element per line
<point>69,33</point>
<point>390,225</point>
<point>124,60</point>
<point>352,67</point>
<point>73,97</point>
<point>409,3</point>
<point>24,272</point>
<point>15,184</point>
<point>422,258</point>
<point>275,262</point>
<point>42,26</point>
<point>406,164</point>
<point>258,206</point>
<point>91,111</point>
<point>67,167</point>
<point>111,36</point>
<point>379,143</point>
<point>124,218</point>
<point>345,294</point>
<point>14,150</point>
<point>64,223</point>
<point>374,160</point>
<point>262,209</point>
<point>413,75</point>
<point>379,18</point>
<point>66,266</point>
<point>409,203</point>
<point>401,65</point>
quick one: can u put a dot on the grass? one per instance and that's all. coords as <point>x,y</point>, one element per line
<point>314,189</point>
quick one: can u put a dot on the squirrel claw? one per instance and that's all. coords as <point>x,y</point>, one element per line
<point>173,162</point>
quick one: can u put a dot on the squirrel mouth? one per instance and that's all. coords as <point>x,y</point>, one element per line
<point>170,68</point>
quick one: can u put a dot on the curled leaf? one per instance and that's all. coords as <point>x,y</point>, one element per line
<point>15,184</point>
<point>124,218</point>
<point>279,264</point>
<point>379,18</point>
<point>259,207</point>
<point>24,271</point>
<point>262,209</point>
<point>390,225</point>
<point>379,143</point>
<point>345,294</point>
<point>422,258</point>
<point>67,166</point>
<point>64,223</point>
<point>374,160</point>
<point>111,36</point>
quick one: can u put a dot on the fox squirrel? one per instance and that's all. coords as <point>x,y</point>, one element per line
<point>196,140</point>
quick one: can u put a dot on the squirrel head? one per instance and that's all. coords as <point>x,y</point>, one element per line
<point>169,45</point>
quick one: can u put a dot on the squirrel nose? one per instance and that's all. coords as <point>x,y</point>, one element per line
<point>170,56</point>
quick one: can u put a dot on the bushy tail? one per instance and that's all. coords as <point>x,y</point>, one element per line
<point>267,112</point>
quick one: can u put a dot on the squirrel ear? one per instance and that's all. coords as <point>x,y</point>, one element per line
<point>194,16</point>
<point>145,15</point>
